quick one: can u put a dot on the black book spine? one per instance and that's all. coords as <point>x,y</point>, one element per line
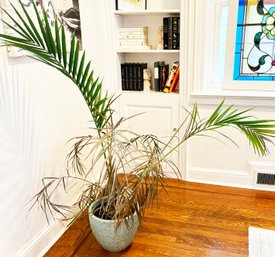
<point>156,76</point>
<point>175,40</point>
<point>164,75</point>
<point>165,32</point>
<point>170,32</point>
<point>123,76</point>
<point>140,76</point>
<point>127,78</point>
<point>166,72</point>
<point>178,33</point>
<point>131,83</point>
<point>161,75</point>
<point>135,79</point>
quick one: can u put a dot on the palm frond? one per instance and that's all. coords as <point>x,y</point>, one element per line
<point>258,132</point>
<point>48,45</point>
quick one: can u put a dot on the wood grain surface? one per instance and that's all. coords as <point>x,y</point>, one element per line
<point>193,220</point>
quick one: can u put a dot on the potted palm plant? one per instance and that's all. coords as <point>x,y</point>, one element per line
<point>119,172</point>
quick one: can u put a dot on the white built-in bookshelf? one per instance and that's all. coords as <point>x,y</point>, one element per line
<point>153,19</point>
<point>161,110</point>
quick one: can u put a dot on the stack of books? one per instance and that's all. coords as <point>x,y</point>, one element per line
<point>171,33</point>
<point>172,79</point>
<point>132,76</point>
<point>165,80</point>
<point>133,37</point>
<point>161,71</point>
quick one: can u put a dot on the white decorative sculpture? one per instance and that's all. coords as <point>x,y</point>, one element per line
<point>147,80</point>
<point>160,38</point>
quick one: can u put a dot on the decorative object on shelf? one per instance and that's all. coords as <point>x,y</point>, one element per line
<point>160,38</point>
<point>255,39</point>
<point>147,80</point>
<point>129,168</point>
<point>131,5</point>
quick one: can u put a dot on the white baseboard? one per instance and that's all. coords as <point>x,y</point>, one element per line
<point>225,178</point>
<point>220,177</point>
<point>43,241</point>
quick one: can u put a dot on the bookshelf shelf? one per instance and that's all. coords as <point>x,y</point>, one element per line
<point>160,95</point>
<point>150,51</point>
<point>148,12</point>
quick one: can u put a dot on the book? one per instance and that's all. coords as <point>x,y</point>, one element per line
<point>171,32</point>
<point>140,76</point>
<point>132,76</point>
<point>135,78</point>
<point>134,42</point>
<point>156,76</point>
<point>163,75</point>
<point>178,33</point>
<point>133,29</point>
<point>127,74</point>
<point>175,32</point>
<point>165,32</point>
<point>173,78</point>
<point>123,76</point>
<point>133,37</point>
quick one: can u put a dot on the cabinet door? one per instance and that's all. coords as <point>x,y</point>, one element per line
<point>158,116</point>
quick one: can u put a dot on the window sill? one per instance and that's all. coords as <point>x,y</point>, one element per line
<point>242,98</point>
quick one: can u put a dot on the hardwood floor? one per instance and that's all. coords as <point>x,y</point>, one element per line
<point>193,220</point>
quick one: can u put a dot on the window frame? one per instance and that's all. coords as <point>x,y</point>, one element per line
<point>229,82</point>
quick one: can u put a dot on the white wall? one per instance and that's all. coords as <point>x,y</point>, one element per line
<point>222,162</point>
<point>40,110</point>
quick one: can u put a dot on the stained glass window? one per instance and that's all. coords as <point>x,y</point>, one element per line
<point>255,41</point>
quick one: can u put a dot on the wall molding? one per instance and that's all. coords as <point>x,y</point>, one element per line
<point>234,178</point>
<point>231,178</point>
<point>240,98</point>
<point>43,241</point>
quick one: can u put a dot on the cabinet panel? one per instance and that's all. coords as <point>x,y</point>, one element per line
<point>158,115</point>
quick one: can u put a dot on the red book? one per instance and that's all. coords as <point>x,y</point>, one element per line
<point>173,79</point>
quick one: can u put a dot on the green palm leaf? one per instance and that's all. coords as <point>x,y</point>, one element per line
<point>258,132</point>
<point>48,45</point>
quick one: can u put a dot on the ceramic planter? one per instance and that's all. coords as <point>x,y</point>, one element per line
<point>107,237</point>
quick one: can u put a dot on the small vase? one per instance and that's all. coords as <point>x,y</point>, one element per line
<point>110,239</point>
